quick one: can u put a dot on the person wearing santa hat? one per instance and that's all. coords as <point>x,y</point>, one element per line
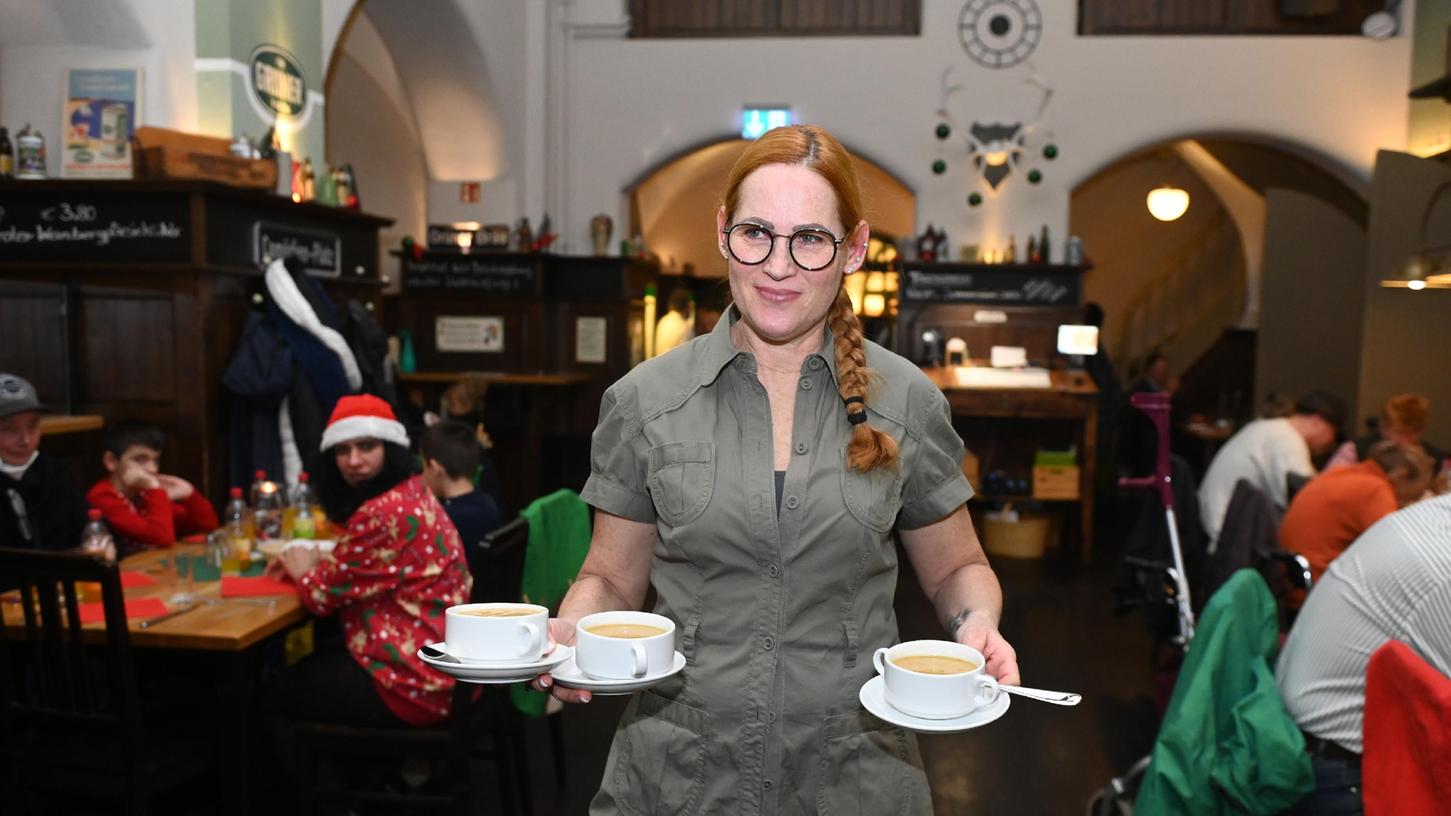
<point>397,565</point>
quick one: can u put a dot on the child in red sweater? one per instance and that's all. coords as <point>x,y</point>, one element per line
<point>143,507</point>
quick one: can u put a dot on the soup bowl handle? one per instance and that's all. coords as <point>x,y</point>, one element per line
<point>879,658</point>
<point>529,642</point>
<point>987,690</point>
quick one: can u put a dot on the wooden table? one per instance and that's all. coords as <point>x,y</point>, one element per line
<point>1070,396</point>
<point>226,629</point>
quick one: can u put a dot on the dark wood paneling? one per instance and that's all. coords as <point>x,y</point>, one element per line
<point>756,18</point>
<point>1231,17</point>
<point>32,338</point>
<point>126,348</point>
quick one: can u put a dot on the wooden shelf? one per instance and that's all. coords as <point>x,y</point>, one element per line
<point>496,377</point>
<point>56,424</point>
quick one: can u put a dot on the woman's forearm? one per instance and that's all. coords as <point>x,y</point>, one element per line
<point>593,593</point>
<point>972,589</point>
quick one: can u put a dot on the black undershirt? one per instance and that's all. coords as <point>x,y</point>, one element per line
<point>780,486</point>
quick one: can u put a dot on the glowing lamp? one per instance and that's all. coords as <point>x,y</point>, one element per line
<point>1168,203</point>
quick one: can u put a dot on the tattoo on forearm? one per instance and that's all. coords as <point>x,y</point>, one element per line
<point>956,622</point>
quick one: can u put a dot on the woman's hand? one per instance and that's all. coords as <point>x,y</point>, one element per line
<point>1002,660</point>
<point>561,631</point>
<point>298,561</point>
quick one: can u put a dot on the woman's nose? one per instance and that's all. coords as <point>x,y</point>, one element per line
<point>779,264</point>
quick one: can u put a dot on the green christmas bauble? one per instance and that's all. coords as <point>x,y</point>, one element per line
<point>1050,151</point>
<point>974,199</point>
<point>944,130</point>
<point>1034,176</point>
<point>939,167</point>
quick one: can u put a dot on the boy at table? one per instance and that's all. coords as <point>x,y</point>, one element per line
<point>144,507</point>
<point>41,507</point>
<point>450,454</point>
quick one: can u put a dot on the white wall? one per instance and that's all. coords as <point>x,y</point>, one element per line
<point>628,104</point>
<point>39,41</point>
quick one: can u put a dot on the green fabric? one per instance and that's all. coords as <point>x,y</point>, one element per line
<point>559,533</point>
<point>1227,744</point>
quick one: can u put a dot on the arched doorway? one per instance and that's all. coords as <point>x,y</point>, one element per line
<point>672,205</point>
<point>1216,290</point>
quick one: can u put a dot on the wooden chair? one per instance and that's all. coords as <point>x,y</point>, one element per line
<point>488,728</point>
<point>449,747</point>
<point>70,712</point>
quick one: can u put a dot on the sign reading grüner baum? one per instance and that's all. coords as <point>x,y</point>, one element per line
<point>479,274</point>
<point>276,78</point>
<point>320,252</point>
<point>1002,285</point>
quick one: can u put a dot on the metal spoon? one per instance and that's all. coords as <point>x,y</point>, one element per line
<point>150,622</point>
<point>1063,698</point>
<point>438,654</point>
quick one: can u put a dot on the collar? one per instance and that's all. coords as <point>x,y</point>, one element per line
<point>17,472</point>
<point>720,351</point>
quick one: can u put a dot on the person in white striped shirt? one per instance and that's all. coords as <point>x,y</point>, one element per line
<point>1393,583</point>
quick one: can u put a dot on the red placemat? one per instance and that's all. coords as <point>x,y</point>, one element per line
<point>135,608</point>
<point>237,586</point>
<point>194,538</point>
<point>130,579</point>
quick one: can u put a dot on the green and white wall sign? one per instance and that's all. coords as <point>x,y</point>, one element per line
<point>259,64</point>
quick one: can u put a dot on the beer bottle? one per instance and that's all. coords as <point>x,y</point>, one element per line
<point>309,180</point>
<point>7,155</point>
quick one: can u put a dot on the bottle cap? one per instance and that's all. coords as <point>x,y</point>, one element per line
<point>261,475</point>
<point>93,514</point>
<point>302,477</point>
<point>236,493</point>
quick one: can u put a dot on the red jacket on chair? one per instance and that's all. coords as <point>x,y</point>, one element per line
<point>1406,767</point>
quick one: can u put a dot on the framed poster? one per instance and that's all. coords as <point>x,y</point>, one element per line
<point>485,334</point>
<point>591,339</point>
<point>102,109</point>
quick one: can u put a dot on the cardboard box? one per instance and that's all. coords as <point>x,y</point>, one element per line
<point>1055,481</point>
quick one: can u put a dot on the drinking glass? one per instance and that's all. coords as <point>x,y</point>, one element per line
<point>184,594</point>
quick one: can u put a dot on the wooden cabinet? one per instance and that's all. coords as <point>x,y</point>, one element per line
<point>126,298</point>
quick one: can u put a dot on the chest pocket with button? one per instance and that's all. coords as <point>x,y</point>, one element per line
<point>682,478</point>
<point>874,498</point>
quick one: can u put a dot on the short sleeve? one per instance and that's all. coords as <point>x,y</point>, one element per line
<point>617,459</point>
<point>933,485</point>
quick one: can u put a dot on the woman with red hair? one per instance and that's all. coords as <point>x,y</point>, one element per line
<point>755,477</point>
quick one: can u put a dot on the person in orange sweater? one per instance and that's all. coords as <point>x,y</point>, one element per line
<point>144,507</point>
<point>1334,508</point>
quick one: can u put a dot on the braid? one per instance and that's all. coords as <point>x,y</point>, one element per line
<point>869,448</point>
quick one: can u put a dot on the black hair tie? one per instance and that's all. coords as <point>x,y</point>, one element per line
<point>854,398</point>
<point>858,418</point>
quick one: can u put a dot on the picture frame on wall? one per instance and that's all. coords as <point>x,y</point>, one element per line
<point>99,117</point>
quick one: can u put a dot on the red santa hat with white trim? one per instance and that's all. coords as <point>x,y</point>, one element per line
<point>363,416</point>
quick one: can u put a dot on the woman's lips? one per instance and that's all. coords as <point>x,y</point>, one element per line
<point>777,295</point>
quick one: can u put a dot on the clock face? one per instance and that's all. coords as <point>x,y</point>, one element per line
<point>1000,33</point>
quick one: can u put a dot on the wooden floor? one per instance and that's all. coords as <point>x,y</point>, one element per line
<point>1037,759</point>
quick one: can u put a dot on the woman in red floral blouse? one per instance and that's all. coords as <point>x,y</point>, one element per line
<point>397,566</point>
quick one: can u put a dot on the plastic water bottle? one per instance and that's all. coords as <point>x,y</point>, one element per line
<point>96,538</point>
<point>302,515</point>
<point>267,512</point>
<point>237,521</point>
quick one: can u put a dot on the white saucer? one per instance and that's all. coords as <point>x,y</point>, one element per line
<point>568,674</point>
<point>498,673</point>
<point>873,698</point>
<point>491,664</point>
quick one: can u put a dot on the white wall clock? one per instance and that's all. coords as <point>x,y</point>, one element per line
<point>1000,33</point>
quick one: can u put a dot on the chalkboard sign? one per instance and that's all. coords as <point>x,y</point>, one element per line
<point>320,252</point>
<point>54,225</point>
<point>484,275</point>
<point>1033,285</point>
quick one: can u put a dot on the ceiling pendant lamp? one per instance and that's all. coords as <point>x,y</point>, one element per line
<point>1168,203</point>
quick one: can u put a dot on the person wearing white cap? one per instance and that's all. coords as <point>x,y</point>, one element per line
<point>41,507</point>
<point>397,565</point>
